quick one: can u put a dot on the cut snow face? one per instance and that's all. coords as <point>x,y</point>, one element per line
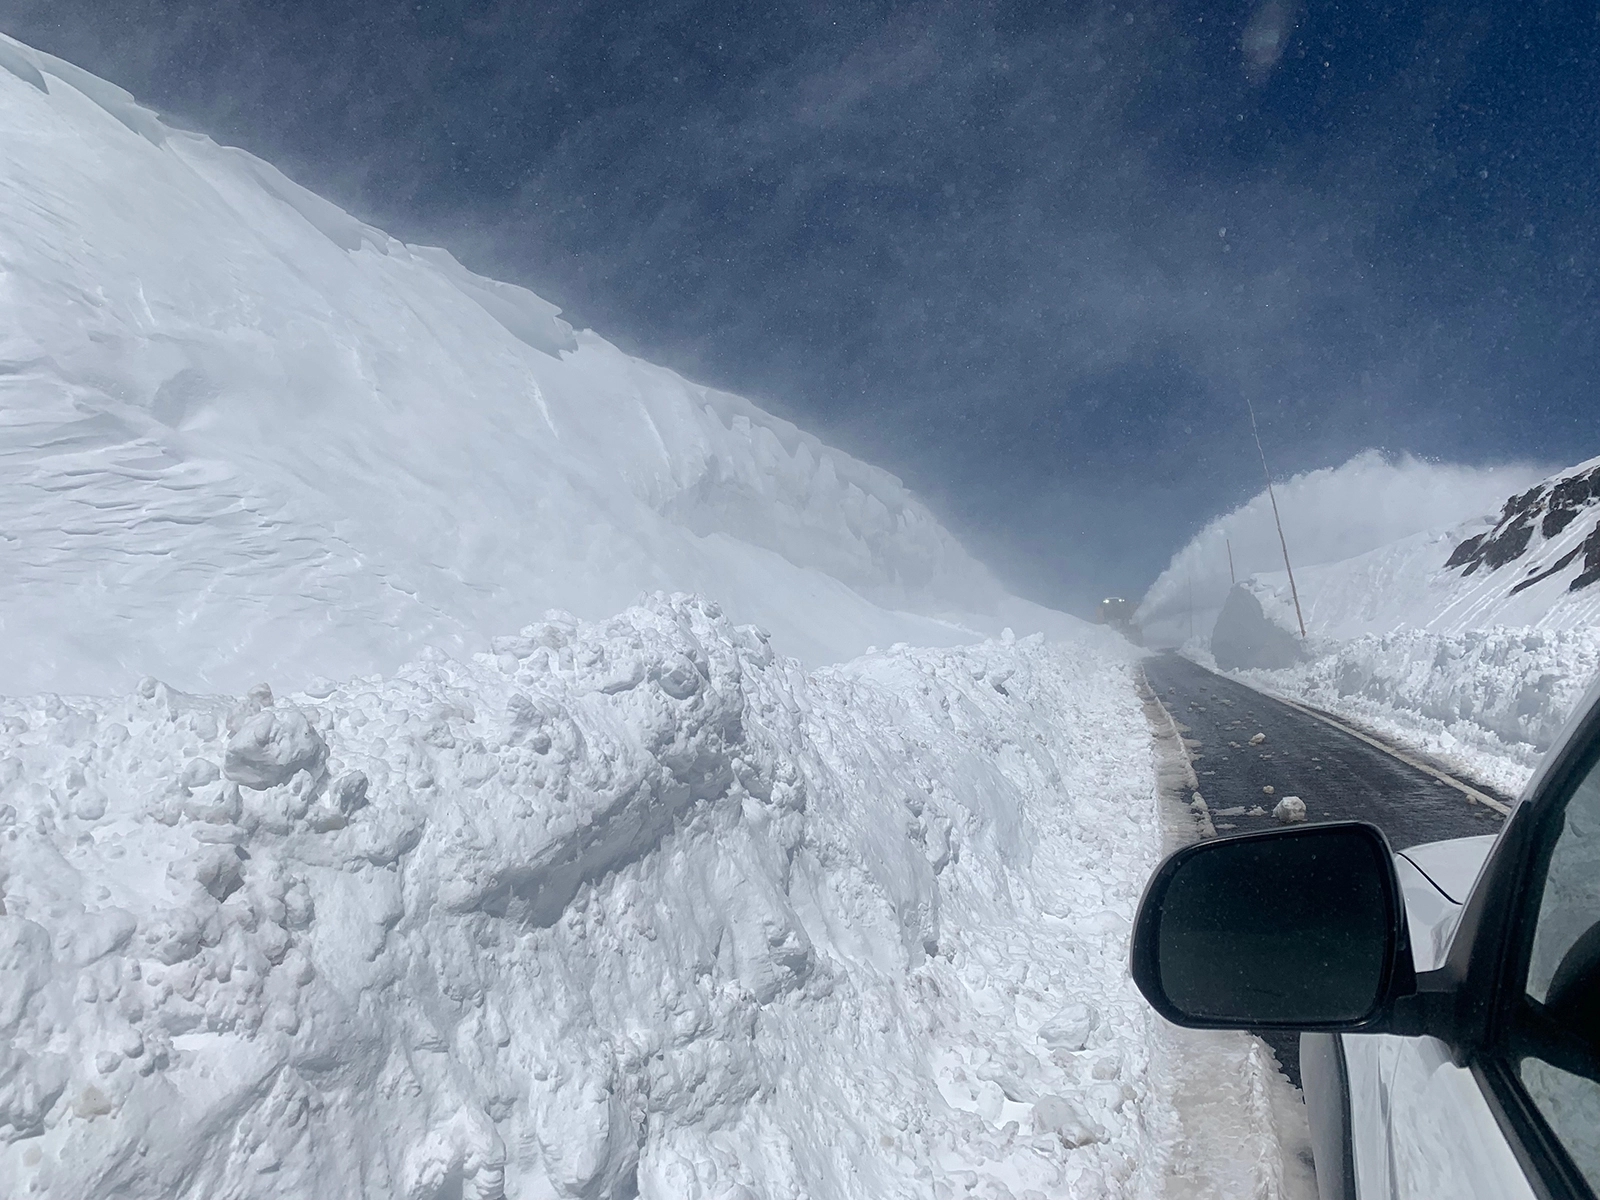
<point>248,436</point>
<point>630,907</point>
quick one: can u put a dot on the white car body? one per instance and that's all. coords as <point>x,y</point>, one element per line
<point>1470,1072</point>
<point>1420,1126</point>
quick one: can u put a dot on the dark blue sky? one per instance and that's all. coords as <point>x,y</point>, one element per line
<point>1029,257</point>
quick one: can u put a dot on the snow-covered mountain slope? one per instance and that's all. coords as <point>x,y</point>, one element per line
<point>626,908</point>
<point>244,436</point>
<point>1331,516</point>
<point>1535,564</point>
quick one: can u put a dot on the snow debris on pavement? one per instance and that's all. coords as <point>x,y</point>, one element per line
<point>1290,810</point>
<point>1486,702</point>
<point>629,904</point>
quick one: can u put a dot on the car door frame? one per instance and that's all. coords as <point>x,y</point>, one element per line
<point>1488,955</point>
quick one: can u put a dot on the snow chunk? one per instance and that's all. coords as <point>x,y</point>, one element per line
<point>1066,1120</point>
<point>1070,1028</point>
<point>272,747</point>
<point>1290,810</point>
<point>29,1087</point>
<point>24,967</point>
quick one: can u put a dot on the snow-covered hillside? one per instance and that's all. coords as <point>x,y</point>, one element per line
<point>1331,516</point>
<point>1531,560</point>
<point>244,436</point>
<point>1474,642</point>
<point>626,908</point>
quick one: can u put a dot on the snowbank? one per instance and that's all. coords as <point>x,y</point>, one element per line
<point>1329,516</point>
<point>247,436</point>
<point>638,904</point>
<point>1489,702</point>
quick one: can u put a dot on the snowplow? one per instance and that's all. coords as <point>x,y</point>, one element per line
<point>1118,613</point>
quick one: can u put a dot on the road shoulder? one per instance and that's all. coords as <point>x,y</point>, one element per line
<point>1241,1126</point>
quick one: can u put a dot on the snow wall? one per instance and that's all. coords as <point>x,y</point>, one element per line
<point>247,437</point>
<point>629,906</point>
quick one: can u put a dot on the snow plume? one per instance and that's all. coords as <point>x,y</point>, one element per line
<point>637,907</point>
<point>1532,564</point>
<point>1329,515</point>
<point>249,436</point>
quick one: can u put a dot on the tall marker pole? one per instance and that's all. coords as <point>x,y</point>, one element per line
<point>1271,495</point>
<point>1232,578</point>
<point>1191,602</point>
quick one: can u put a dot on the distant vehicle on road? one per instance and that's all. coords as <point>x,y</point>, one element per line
<point>1448,996</point>
<point>1118,613</point>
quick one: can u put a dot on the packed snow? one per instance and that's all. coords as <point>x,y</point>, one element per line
<point>1473,643</point>
<point>244,435</point>
<point>630,905</point>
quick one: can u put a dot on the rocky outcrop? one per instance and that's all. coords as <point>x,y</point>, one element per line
<point>1547,510</point>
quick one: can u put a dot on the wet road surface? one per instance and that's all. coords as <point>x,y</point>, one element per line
<point>1339,777</point>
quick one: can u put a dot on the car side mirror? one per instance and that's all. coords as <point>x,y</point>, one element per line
<point>1300,928</point>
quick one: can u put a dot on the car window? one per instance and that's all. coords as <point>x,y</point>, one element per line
<point>1559,1049</point>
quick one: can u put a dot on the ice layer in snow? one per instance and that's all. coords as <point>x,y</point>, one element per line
<point>244,435</point>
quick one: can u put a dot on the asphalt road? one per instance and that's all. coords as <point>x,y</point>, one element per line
<point>1338,776</point>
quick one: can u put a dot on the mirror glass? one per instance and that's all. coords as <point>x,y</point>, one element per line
<point>1294,928</point>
